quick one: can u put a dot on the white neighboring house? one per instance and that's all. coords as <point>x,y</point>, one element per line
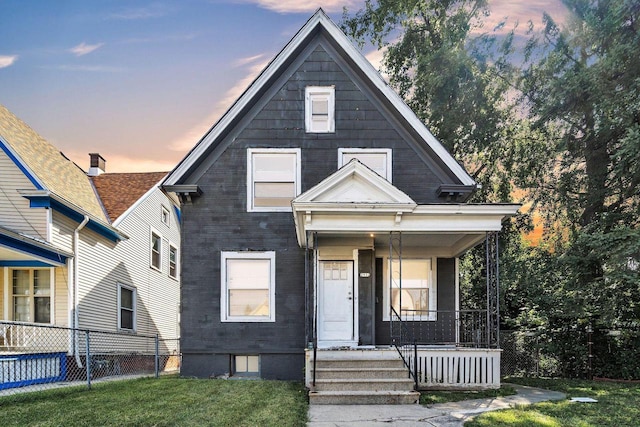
<point>97,251</point>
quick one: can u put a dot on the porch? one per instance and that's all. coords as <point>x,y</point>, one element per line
<point>382,275</point>
<point>380,376</point>
<point>451,353</point>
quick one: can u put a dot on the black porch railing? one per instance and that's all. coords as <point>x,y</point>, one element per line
<point>459,328</point>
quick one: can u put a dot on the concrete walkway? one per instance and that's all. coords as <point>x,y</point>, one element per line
<point>452,414</point>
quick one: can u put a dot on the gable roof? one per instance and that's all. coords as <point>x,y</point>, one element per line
<point>319,22</point>
<point>45,166</point>
<point>354,186</point>
<point>119,191</point>
<point>355,200</point>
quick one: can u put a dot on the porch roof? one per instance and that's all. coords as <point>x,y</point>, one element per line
<point>19,250</point>
<point>356,201</point>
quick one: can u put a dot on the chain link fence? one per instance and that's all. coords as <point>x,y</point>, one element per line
<point>523,355</point>
<point>572,352</point>
<point>37,357</point>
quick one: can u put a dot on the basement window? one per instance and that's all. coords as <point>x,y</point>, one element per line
<point>245,365</point>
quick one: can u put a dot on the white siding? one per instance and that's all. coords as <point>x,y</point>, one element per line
<point>15,213</point>
<point>103,264</point>
<point>98,270</point>
<point>158,294</point>
<point>62,229</point>
<point>61,297</point>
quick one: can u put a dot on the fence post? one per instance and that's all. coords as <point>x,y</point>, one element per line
<point>87,361</point>
<point>157,358</point>
<point>415,363</point>
<point>590,357</point>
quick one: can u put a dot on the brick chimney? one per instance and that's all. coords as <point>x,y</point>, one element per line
<point>97,165</point>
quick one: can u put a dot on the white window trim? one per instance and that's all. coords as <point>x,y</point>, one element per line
<point>433,291</point>
<point>224,316</point>
<point>386,151</point>
<point>171,245</point>
<point>325,91</point>
<point>164,211</point>
<point>298,184</point>
<point>9,295</point>
<point>135,307</point>
<point>153,231</point>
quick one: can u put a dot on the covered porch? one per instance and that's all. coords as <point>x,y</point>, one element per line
<point>383,272</point>
<point>33,291</point>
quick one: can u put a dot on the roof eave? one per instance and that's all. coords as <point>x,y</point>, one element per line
<point>47,199</point>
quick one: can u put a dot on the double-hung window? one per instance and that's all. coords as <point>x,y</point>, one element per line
<point>413,291</point>
<point>126,307</point>
<point>273,179</point>
<point>31,295</point>
<point>376,159</point>
<point>248,287</point>
<point>156,250</point>
<point>173,261</point>
<point>320,109</point>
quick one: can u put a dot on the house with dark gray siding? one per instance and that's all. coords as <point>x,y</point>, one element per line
<point>322,227</point>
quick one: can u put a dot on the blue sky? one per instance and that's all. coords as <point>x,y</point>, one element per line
<point>141,81</point>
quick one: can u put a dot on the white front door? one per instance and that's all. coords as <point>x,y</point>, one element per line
<point>335,304</point>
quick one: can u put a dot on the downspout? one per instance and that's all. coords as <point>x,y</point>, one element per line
<point>74,291</point>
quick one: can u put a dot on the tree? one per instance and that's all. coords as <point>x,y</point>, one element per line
<point>581,86</point>
<point>440,65</point>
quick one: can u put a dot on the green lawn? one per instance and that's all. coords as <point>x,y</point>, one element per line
<point>168,401</point>
<point>431,397</point>
<point>618,405</point>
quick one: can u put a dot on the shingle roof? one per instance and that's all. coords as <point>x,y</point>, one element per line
<point>51,168</point>
<point>119,191</point>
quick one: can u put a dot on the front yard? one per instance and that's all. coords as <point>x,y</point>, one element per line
<point>618,405</point>
<point>170,401</point>
<point>165,401</point>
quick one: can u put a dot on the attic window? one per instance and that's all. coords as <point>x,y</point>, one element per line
<point>164,215</point>
<point>319,109</point>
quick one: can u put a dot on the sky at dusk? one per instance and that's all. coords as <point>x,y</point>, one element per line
<point>140,82</point>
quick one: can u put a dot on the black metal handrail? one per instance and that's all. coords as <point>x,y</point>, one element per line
<point>460,328</point>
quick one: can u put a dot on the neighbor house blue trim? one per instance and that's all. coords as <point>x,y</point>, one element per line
<point>178,214</point>
<point>20,165</point>
<point>46,201</point>
<point>28,369</point>
<point>24,263</point>
<point>31,249</point>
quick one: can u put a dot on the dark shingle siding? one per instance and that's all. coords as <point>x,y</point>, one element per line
<point>219,221</point>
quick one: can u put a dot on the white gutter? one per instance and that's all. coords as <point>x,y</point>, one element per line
<point>75,284</point>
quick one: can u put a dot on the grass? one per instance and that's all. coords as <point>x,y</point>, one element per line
<point>431,397</point>
<point>167,401</point>
<point>618,405</point>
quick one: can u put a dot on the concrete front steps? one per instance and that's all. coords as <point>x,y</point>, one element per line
<point>360,377</point>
